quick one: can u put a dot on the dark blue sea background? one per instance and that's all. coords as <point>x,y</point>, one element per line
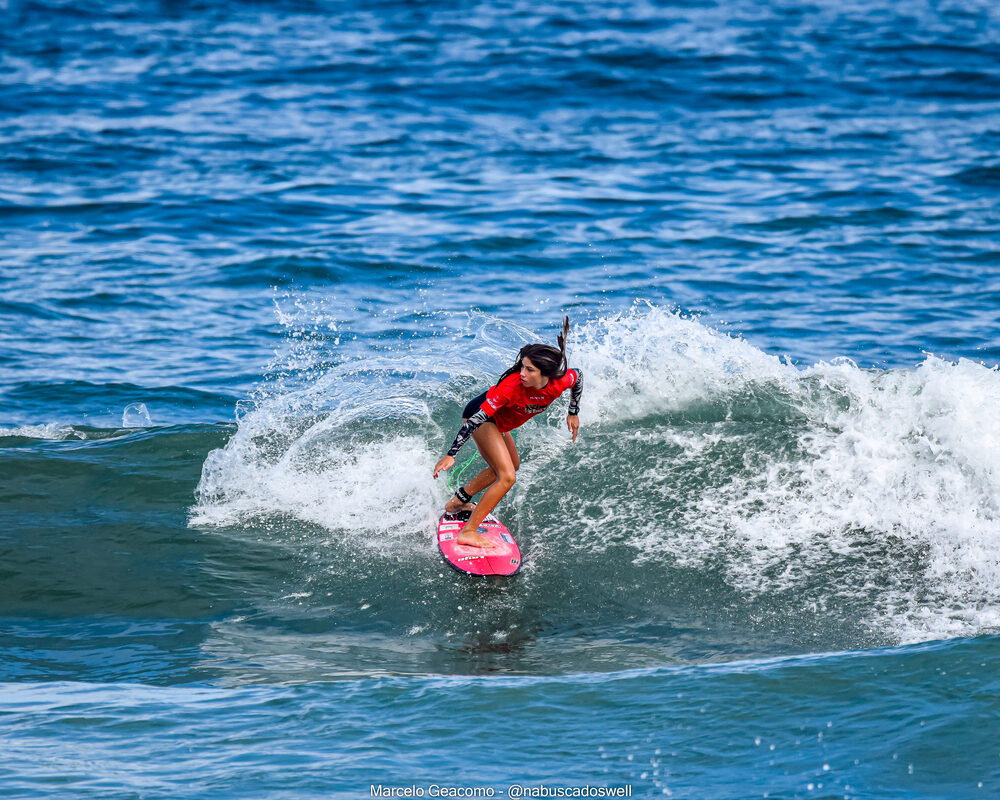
<point>255,257</point>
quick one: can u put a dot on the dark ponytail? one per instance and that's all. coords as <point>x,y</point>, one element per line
<point>561,340</point>
<point>551,362</point>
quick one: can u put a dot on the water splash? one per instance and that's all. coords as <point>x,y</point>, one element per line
<point>136,415</point>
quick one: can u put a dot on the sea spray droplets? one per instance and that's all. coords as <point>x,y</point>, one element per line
<point>341,437</point>
<point>136,415</point>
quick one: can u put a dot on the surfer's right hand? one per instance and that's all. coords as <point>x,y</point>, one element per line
<point>444,465</point>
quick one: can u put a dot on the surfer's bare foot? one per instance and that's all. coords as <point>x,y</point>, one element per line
<point>455,505</point>
<point>473,539</point>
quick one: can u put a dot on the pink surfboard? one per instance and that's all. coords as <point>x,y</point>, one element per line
<point>503,559</point>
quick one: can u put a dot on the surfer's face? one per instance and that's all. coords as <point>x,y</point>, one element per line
<point>531,376</point>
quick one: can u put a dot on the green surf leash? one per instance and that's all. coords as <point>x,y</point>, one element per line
<point>454,478</point>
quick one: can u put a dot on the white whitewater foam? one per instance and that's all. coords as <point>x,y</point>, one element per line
<point>344,447</point>
<point>652,360</point>
<point>375,488</point>
<point>910,462</point>
<point>52,430</point>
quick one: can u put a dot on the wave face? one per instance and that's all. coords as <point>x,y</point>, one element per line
<point>720,502</point>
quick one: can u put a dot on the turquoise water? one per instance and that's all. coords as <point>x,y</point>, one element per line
<point>257,257</point>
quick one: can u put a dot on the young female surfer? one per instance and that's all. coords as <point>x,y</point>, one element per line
<point>538,377</point>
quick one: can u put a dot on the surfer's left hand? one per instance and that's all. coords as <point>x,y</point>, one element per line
<point>573,423</point>
<point>444,464</point>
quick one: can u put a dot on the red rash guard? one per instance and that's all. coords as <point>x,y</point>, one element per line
<point>510,403</point>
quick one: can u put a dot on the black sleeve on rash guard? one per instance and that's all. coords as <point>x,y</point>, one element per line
<point>466,430</point>
<point>576,393</point>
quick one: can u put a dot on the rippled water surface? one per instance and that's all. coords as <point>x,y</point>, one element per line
<point>256,257</point>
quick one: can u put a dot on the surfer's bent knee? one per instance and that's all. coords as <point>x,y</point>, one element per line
<point>513,476</point>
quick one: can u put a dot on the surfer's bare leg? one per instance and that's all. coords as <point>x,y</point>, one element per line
<point>487,476</point>
<point>495,450</point>
<point>484,477</point>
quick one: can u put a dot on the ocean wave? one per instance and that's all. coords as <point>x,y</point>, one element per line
<point>868,495</point>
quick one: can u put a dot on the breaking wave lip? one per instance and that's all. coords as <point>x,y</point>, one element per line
<point>858,491</point>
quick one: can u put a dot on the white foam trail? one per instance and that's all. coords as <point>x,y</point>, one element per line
<point>345,447</point>
<point>373,491</point>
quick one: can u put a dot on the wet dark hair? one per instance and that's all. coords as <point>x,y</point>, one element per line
<point>551,361</point>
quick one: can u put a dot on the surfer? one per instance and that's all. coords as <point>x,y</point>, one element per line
<point>538,377</point>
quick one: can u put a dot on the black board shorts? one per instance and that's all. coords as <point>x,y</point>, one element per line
<point>473,406</point>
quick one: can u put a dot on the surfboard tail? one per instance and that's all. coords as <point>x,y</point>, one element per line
<point>504,558</point>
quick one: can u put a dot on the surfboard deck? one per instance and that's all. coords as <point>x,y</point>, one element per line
<point>504,559</point>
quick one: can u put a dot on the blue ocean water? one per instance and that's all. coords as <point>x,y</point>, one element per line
<point>255,258</point>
